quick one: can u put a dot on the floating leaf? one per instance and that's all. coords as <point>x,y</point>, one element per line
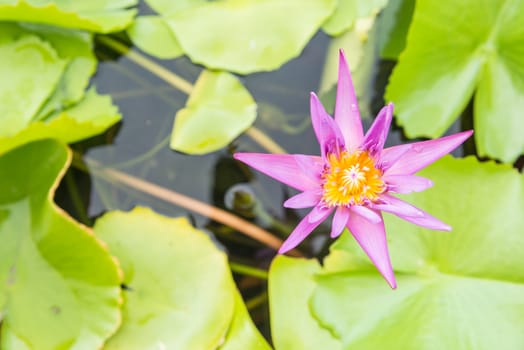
<point>74,47</point>
<point>457,47</point>
<point>55,104</point>
<point>242,333</point>
<point>293,327</point>
<point>217,111</point>
<point>95,15</point>
<point>170,7</point>
<point>178,284</point>
<point>246,36</point>
<point>21,92</point>
<point>180,293</point>
<point>77,48</point>
<point>348,11</point>
<point>393,27</point>
<point>93,115</point>
<point>499,102</point>
<point>59,286</point>
<point>152,35</point>
<point>458,290</point>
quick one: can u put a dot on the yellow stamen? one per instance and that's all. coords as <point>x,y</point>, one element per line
<point>351,179</point>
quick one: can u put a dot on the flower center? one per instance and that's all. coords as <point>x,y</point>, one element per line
<point>351,179</point>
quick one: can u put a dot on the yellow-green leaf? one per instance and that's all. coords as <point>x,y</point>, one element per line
<point>152,35</point>
<point>217,111</point>
<point>94,15</point>
<point>293,327</point>
<point>242,333</point>
<point>348,11</point>
<point>59,286</point>
<point>21,93</point>
<point>246,36</point>
<point>454,48</point>
<point>462,289</point>
<point>91,116</point>
<point>179,290</point>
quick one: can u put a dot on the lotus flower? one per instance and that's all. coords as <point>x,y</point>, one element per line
<point>355,176</point>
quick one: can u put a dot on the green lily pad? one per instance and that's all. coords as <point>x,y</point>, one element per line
<point>393,27</point>
<point>499,102</point>
<point>180,293</point>
<point>242,333</point>
<point>46,107</point>
<point>170,7</point>
<point>293,327</point>
<point>348,11</point>
<point>77,48</point>
<point>74,47</point>
<point>95,15</point>
<point>454,48</point>
<point>218,110</point>
<point>246,36</point>
<point>456,290</point>
<point>21,94</point>
<point>152,35</point>
<point>59,286</point>
<point>91,116</point>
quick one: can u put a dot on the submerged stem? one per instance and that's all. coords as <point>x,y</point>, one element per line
<point>138,159</point>
<point>256,301</point>
<point>76,198</point>
<point>248,270</point>
<point>265,141</point>
<point>148,64</point>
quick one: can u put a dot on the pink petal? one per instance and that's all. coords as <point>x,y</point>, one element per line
<point>372,239</point>
<point>347,114</point>
<point>410,213</point>
<point>426,220</point>
<point>306,199</point>
<point>407,183</point>
<point>310,166</point>
<point>319,212</point>
<point>421,154</point>
<point>378,132</point>
<point>368,214</point>
<point>303,229</point>
<point>328,133</point>
<point>340,220</point>
<point>398,207</point>
<point>390,155</point>
<point>284,168</point>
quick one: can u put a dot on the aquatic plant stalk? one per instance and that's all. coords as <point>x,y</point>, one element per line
<point>76,198</point>
<point>248,270</point>
<point>265,141</point>
<point>141,60</point>
<point>256,301</point>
